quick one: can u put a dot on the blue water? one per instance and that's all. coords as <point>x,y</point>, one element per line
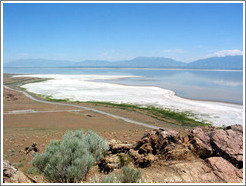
<point>226,86</point>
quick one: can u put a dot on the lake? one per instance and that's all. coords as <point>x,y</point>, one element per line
<point>224,86</point>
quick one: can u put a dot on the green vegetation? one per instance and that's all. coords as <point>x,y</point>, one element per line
<point>111,178</point>
<point>181,118</point>
<point>20,165</point>
<point>167,115</point>
<point>33,171</point>
<point>12,152</point>
<point>128,175</point>
<point>69,160</point>
<point>125,159</point>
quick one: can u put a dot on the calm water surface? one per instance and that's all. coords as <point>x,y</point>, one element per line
<point>224,86</point>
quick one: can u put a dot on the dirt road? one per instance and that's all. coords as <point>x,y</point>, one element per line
<point>87,108</point>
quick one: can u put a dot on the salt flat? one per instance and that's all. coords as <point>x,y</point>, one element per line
<point>84,88</point>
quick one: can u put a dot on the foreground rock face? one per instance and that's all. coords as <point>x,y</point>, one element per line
<point>161,144</point>
<point>227,143</point>
<point>12,175</point>
<point>205,154</point>
<point>225,170</point>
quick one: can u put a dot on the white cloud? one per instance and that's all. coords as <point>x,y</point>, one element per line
<point>173,51</point>
<point>223,53</point>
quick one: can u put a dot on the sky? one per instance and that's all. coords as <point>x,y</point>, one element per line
<point>121,31</point>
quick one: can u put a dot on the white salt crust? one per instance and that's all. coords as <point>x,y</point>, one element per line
<point>83,88</point>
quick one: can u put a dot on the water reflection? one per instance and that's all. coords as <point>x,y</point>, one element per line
<point>206,85</point>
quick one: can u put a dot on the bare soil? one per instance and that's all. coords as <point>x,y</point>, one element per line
<point>21,130</point>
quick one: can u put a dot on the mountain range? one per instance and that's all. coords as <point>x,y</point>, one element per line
<point>227,62</point>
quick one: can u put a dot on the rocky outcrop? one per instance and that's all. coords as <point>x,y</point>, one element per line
<point>227,143</point>
<point>142,160</point>
<point>225,170</point>
<point>204,154</point>
<point>12,175</point>
<point>118,147</point>
<point>115,158</point>
<point>200,139</point>
<point>161,144</point>
<point>109,163</point>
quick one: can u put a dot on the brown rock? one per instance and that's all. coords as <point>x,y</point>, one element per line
<point>142,160</point>
<point>201,141</point>
<point>228,144</point>
<point>12,175</point>
<point>178,152</point>
<point>118,147</point>
<point>145,149</point>
<point>185,139</point>
<point>109,163</point>
<point>235,127</point>
<point>225,170</point>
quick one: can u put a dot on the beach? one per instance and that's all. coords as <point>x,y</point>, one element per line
<point>86,88</point>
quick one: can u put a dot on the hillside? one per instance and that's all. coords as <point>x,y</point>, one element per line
<point>227,62</point>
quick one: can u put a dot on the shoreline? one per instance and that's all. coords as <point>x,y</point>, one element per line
<point>175,94</point>
<point>61,86</point>
<point>192,99</point>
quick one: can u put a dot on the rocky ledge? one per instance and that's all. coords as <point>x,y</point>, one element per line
<point>205,154</point>
<point>12,175</point>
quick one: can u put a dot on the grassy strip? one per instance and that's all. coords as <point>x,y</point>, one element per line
<point>167,115</point>
<point>181,118</point>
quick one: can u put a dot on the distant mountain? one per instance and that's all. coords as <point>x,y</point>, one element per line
<point>139,62</point>
<point>228,62</point>
<point>37,63</point>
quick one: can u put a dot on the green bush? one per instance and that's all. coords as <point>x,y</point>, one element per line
<point>111,178</point>
<point>125,159</point>
<point>70,160</point>
<point>128,175</point>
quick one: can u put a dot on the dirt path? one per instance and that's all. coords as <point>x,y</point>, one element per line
<point>31,111</point>
<point>86,108</point>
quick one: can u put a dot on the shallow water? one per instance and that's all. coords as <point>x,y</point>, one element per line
<point>226,86</point>
<point>87,88</point>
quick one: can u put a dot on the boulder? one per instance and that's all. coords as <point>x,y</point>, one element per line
<point>109,163</point>
<point>178,152</point>
<point>142,160</point>
<point>228,144</point>
<point>235,127</point>
<point>225,170</point>
<point>12,175</point>
<point>116,147</point>
<point>155,141</point>
<point>200,138</point>
<point>33,148</point>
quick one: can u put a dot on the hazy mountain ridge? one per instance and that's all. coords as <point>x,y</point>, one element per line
<point>227,62</point>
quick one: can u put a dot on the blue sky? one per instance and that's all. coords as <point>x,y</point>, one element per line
<point>121,31</point>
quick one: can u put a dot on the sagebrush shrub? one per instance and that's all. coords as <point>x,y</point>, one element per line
<point>111,178</point>
<point>128,175</point>
<point>69,160</point>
